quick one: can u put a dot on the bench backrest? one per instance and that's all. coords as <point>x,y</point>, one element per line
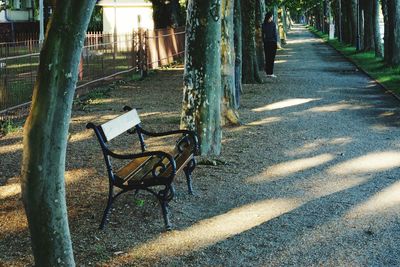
<point>120,124</point>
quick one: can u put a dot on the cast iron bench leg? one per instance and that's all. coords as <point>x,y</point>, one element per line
<point>108,207</point>
<point>164,196</point>
<point>188,172</point>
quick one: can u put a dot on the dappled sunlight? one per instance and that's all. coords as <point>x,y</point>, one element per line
<point>318,144</point>
<point>373,162</point>
<point>12,222</point>
<point>329,187</point>
<point>382,128</point>
<point>303,40</point>
<point>82,119</point>
<point>384,201</point>
<point>387,114</point>
<point>337,107</point>
<point>264,121</point>
<point>285,103</point>
<point>210,231</point>
<point>289,167</point>
<point>76,175</point>
<point>80,136</point>
<point>280,61</point>
<point>71,176</point>
<point>9,190</point>
<point>10,148</point>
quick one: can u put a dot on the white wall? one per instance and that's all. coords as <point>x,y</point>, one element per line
<point>15,15</point>
<point>127,19</point>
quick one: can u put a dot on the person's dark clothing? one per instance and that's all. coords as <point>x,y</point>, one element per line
<point>270,53</point>
<point>269,32</point>
<point>270,39</point>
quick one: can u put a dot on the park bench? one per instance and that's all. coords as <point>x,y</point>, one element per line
<point>152,171</point>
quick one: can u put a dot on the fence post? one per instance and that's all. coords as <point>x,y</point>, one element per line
<point>142,57</point>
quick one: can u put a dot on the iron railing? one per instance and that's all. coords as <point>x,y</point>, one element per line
<point>104,56</point>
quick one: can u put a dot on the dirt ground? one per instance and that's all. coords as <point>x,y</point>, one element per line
<point>311,177</point>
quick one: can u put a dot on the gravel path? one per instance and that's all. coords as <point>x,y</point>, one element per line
<point>311,177</point>
<point>332,178</point>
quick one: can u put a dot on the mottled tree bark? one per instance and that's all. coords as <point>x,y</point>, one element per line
<point>394,32</point>
<point>276,20</point>
<point>201,110</point>
<point>355,23</point>
<point>260,14</point>
<point>229,113</point>
<point>237,21</point>
<point>377,30</point>
<point>386,38</point>
<point>250,64</point>
<point>46,130</point>
<point>369,38</point>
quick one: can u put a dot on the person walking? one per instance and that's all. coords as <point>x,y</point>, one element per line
<point>270,39</point>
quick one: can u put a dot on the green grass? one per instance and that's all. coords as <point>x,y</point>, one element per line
<point>9,126</point>
<point>375,67</point>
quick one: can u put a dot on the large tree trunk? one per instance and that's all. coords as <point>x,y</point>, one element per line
<point>250,64</point>
<point>229,113</point>
<point>377,30</point>
<point>46,130</point>
<point>394,32</point>
<point>202,78</point>
<point>237,21</point>
<point>369,38</point>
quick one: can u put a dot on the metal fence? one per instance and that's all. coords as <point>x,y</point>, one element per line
<point>103,56</point>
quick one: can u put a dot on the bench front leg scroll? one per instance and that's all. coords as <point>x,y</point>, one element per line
<point>188,173</point>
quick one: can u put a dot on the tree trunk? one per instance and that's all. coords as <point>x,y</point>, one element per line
<point>377,30</point>
<point>276,20</point>
<point>165,13</point>
<point>260,14</point>
<point>174,18</point>
<point>229,114</point>
<point>238,50</point>
<point>340,21</point>
<point>250,64</point>
<point>394,32</point>
<point>369,38</point>
<point>46,130</point>
<point>386,38</point>
<point>201,110</point>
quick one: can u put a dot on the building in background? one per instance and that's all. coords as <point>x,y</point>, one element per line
<point>16,16</point>
<point>124,16</point>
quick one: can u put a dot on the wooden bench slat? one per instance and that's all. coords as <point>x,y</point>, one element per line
<point>140,169</point>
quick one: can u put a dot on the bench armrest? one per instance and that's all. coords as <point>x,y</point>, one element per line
<point>183,132</point>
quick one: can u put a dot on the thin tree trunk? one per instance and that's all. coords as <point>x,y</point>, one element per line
<point>355,22</point>
<point>394,29</point>
<point>46,130</point>
<point>250,67</point>
<point>276,20</point>
<point>369,39</point>
<point>377,30</point>
<point>174,20</point>
<point>201,110</point>
<point>229,114</point>
<point>386,38</point>
<point>238,50</point>
<point>260,14</point>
